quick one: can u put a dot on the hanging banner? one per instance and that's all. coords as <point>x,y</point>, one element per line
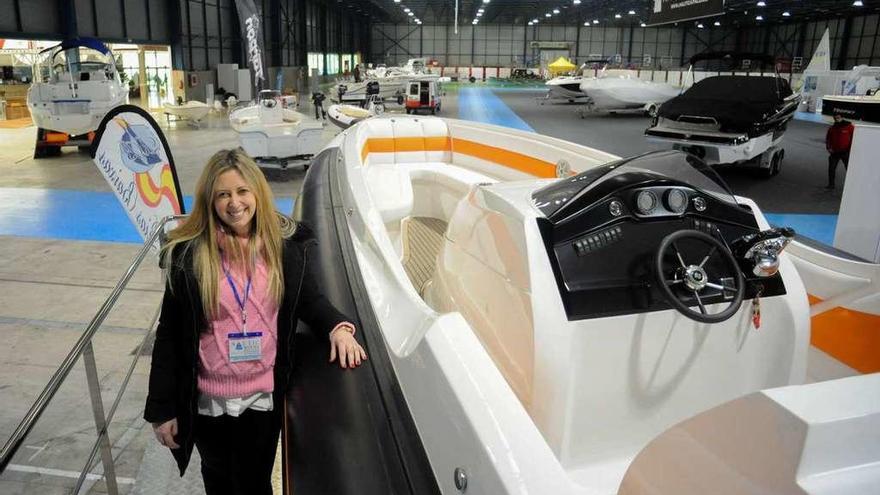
<point>252,31</point>
<point>667,11</point>
<point>134,158</point>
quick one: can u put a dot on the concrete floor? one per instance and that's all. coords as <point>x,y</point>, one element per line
<point>50,288</point>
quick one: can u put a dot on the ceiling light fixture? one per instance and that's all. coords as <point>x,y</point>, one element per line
<point>555,11</point>
<point>700,25</point>
<point>643,24</point>
<point>406,9</point>
<point>485,1</point>
<point>396,1</point>
<point>576,2</point>
<point>530,23</point>
<point>548,14</point>
<point>535,20</point>
<point>632,12</point>
<point>595,21</point>
<point>786,14</point>
<point>717,23</point>
<point>481,10</point>
<point>762,4</point>
<point>617,16</point>
<point>858,3</point>
<point>479,14</point>
<point>587,23</point>
<point>759,18</point>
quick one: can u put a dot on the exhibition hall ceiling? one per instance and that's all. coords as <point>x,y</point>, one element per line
<point>613,12</point>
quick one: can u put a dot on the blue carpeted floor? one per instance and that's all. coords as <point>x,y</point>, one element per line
<point>74,215</point>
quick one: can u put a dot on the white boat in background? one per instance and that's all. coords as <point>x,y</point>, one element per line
<point>345,116</point>
<point>568,87</point>
<point>392,82</point>
<point>611,91</point>
<point>565,88</point>
<point>192,111</point>
<point>563,321</point>
<point>77,84</point>
<point>273,134</point>
<point>860,99</point>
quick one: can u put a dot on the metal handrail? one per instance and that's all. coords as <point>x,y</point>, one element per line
<point>27,423</point>
<point>103,433</point>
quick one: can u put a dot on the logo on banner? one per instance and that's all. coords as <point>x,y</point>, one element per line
<point>138,172</point>
<point>252,26</point>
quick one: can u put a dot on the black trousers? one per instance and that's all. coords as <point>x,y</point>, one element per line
<point>833,158</point>
<point>238,453</point>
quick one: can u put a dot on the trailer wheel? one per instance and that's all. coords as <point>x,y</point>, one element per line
<point>652,110</point>
<point>775,165</point>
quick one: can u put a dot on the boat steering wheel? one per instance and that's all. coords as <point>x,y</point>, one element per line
<point>688,279</point>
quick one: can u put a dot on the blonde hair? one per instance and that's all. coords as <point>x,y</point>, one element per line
<point>268,229</point>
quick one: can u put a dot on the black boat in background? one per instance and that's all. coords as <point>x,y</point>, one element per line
<point>730,119</point>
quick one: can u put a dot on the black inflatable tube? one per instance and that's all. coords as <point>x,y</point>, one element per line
<point>346,431</point>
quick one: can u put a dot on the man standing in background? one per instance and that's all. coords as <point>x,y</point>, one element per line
<point>838,142</point>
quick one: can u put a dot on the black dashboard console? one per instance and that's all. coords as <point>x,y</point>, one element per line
<point>603,227</point>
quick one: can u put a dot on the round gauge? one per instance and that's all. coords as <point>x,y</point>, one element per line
<point>676,201</point>
<point>615,208</point>
<point>646,201</point>
<point>700,204</point>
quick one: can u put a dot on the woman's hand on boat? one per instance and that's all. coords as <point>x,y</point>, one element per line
<point>165,433</point>
<point>344,345</point>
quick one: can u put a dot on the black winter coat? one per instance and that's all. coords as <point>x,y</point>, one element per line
<point>172,389</point>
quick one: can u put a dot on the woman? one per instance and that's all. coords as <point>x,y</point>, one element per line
<point>237,282</point>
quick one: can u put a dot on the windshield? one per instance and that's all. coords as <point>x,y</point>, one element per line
<point>76,61</point>
<point>594,184</point>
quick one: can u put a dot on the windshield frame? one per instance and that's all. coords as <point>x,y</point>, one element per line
<point>677,166</point>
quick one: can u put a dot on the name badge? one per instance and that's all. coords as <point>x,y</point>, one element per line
<point>245,346</point>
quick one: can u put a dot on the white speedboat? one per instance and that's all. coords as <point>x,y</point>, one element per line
<point>551,319</point>
<point>565,88</point>
<point>76,86</point>
<point>192,111</point>
<point>273,134</point>
<point>610,92</point>
<point>568,87</point>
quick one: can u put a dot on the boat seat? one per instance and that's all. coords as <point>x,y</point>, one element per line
<point>391,190</point>
<point>403,141</point>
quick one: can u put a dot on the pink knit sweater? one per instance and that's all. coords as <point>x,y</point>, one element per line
<point>217,375</point>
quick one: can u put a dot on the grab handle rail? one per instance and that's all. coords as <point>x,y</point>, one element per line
<point>83,345</point>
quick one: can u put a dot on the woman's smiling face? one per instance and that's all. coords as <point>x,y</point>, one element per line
<point>234,202</point>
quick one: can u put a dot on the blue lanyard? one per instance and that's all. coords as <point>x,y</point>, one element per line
<point>238,299</point>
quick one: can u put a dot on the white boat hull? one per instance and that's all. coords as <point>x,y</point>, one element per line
<point>565,88</point>
<point>193,111</point>
<point>617,93</point>
<point>279,134</point>
<point>54,106</point>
